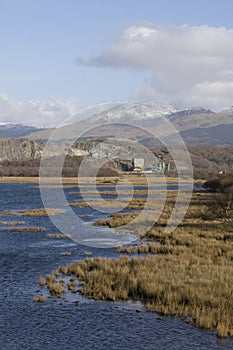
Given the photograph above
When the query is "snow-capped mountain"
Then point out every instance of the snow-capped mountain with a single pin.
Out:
(127, 112)
(8, 129)
(195, 125)
(190, 111)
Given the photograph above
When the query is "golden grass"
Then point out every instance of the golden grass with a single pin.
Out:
(35, 179)
(41, 212)
(79, 204)
(42, 281)
(40, 299)
(55, 180)
(33, 212)
(127, 249)
(93, 193)
(7, 212)
(136, 179)
(116, 220)
(183, 285)
(25, 229)
(188, 272)
(12, 223)
(58, 235)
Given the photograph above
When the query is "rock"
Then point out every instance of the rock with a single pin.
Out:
(19, 149)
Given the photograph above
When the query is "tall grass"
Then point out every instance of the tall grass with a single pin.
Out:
(25, 229)
(188, 272)
(185, 285)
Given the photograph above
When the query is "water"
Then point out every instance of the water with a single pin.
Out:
(62, 325)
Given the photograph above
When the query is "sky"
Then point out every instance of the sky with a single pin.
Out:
(57, 56)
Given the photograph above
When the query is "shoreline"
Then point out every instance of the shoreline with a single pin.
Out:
(74, 180)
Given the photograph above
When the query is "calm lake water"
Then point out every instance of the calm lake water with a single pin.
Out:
(60, 324)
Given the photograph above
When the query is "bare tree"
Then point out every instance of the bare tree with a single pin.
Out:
(222, 200)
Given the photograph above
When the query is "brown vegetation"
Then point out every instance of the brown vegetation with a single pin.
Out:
(39, 299)
(188, 272)
(222, 189)
(41, 212)
(58, 235)
(116, 220)
(79, 204)
(42, 281)
(26, 229)
(206, 161)
(33, 212)
(12, 223)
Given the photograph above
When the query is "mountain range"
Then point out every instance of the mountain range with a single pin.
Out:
(197, 126)
(8, 129)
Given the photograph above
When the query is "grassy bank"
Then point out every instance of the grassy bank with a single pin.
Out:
(186, 273)
(139, 180)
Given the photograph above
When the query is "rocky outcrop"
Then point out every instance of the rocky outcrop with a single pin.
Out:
(14, 149)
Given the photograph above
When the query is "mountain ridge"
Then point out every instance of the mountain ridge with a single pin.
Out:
(11, 129)
(196, 125)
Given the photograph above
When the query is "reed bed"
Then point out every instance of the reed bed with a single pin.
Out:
(25, 229)
(58, 235)
(12, 223)
(169, 283)
(40, 299)
(79, 204)
(41, 212)
(116, 220)
(186, 273)
(33, 212)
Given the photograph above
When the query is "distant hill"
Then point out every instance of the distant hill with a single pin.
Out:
(16, 130)
(196, 125)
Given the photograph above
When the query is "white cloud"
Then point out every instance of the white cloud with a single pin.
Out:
(36, 113)
(187, 64)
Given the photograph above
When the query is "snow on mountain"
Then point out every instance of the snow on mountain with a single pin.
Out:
(133, 112)
(190, 111)
(8, 129)
(229, 110)
(130, 112)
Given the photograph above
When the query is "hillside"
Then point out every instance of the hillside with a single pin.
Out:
(16, 130)
(197, 126)
(21, 157)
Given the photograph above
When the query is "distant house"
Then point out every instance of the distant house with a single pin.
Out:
(166, 166)
(138, 164)
(157, 168)
(160, 167)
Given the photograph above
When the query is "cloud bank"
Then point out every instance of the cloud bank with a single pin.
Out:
(36, 113)
(189, 66)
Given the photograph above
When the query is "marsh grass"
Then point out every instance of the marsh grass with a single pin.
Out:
(25, 229)
(126, 249)
(7, 212)
(40, 299)
(41, 212)
(116, 220)
(58, 235)
(33, 212)
(188, 272)
(42, 281)
(184, 284)
(12, 223)
(79, 204)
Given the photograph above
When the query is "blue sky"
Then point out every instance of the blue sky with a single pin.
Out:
(41, 41)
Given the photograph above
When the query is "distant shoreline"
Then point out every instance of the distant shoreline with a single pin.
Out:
(33, 179)
(68, 180)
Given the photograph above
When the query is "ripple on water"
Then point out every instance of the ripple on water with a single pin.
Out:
(60, 325)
